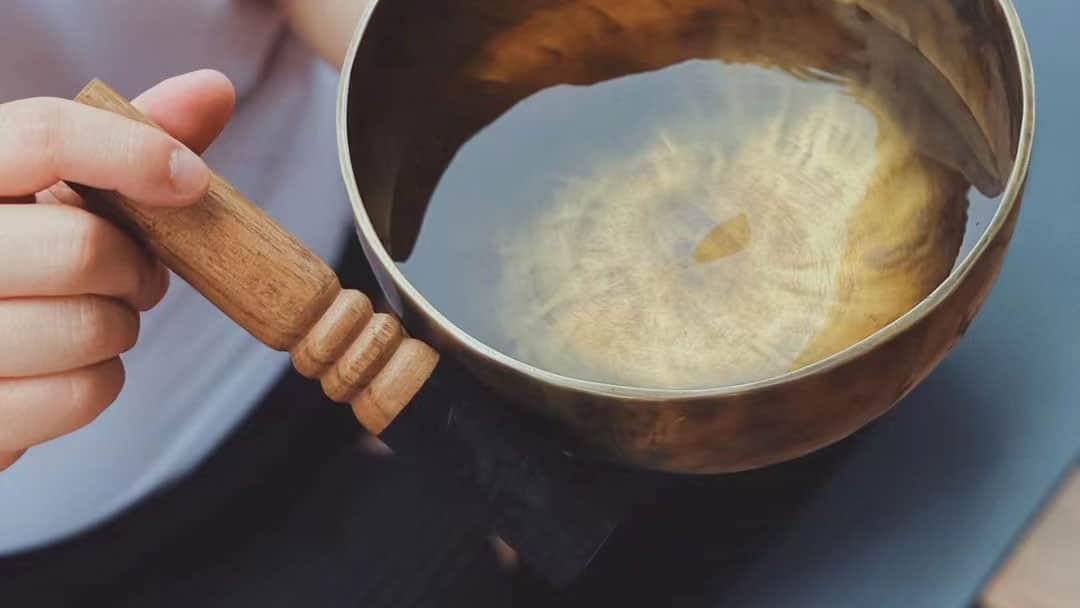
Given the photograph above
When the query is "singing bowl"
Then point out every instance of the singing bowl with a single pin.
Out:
(422, 78)
(401, 124)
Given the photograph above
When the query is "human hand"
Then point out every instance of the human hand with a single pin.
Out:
(71, 284)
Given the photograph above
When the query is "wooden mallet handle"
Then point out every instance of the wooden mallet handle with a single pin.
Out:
(275, 288)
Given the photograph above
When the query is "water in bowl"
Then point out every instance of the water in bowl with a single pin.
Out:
(702, 208)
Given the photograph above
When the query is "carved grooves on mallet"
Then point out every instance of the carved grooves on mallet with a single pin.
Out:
(364, 359)
(269, 283)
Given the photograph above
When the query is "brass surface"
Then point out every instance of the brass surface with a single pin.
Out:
(410, 101)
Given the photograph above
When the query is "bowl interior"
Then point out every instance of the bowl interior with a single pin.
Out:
(425, 80)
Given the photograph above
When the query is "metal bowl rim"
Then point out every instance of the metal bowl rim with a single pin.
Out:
(1010, 199)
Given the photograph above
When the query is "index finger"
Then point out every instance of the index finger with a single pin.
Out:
(46, 140)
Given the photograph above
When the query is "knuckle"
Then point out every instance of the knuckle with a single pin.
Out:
(93, 390)
(149, 151)
(90, 331)
(34, 123)
(143, 280)
(154, 284)
(93, 250)
(127, 330)
(90, 244)
(105, 328)
(129, 333)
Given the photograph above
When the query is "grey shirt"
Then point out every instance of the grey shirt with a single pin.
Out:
(194, 374)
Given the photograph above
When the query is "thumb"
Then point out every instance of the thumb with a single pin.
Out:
(194, 108)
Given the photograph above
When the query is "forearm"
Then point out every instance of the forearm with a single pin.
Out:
(325, 25)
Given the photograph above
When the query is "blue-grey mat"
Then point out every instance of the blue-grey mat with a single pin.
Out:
(929, 500)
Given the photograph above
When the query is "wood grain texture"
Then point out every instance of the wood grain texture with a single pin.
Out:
(1042, 572)
(275, 288)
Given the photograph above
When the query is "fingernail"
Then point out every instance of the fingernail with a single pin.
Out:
(188, 173)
